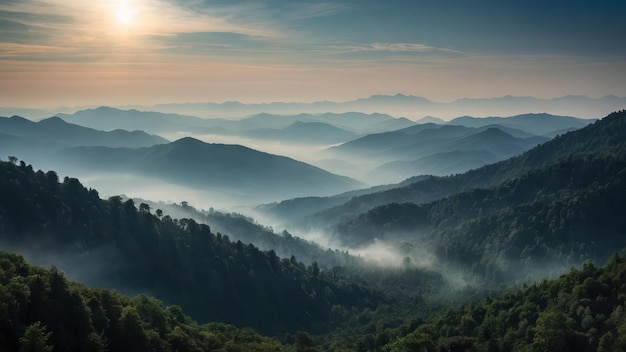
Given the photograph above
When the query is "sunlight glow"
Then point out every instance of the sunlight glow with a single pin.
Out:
(125, 14)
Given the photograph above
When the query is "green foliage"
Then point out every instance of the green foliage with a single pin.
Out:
(583, 310)
(553, 207)
(35, 339)
(113, 322)
(178, 260)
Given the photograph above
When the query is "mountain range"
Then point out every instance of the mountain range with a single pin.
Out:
(415, 107)
(56, 131)
(324, 129)
(397, 105)
(483, 233)
(429, 189)
(455, 147)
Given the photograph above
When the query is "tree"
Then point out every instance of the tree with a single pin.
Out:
(304, 343)
(414, 342)
(144, 208)
(551, 332)
(35, 339)
(12, 159)
(135, 338)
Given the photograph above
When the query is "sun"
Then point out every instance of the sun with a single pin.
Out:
(125, 14)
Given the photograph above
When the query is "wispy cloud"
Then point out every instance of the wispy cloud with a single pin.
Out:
(32, 28)
(302, 10)
(395, 47)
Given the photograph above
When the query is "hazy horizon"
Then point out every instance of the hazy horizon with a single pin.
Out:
(144, 52)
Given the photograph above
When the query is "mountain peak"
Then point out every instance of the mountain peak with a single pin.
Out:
(188, 141)
(54, 120)
(19, 118)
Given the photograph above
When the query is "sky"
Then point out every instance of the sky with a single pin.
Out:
(112, 52)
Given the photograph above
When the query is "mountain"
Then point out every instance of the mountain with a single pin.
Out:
(558, 206)
(51, 313)
(293, 209)
(445, 163)
(229, 168)
(411, 107)
(379, 142)
(427, 139)
(327, 126)
(537, 124)
(408, 106)
(56, 131)
(580, 311)
(432, 149)
(431, 119)
(114, 244)
(355, 122)
(304, 133)
(584, 140)
(239, 227)
(107, 118)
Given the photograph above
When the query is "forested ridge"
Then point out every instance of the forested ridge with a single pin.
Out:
(564, 210)
(583, 310)
(607, 135)
(180, 261)
(40, 311)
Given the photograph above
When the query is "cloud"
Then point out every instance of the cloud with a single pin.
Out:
(395, 47)
(90, 29)
(301, 11)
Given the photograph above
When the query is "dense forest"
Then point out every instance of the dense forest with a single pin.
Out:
(583, 310)
(115, 244)
(561, 207)
(40, 311)
(606, 136)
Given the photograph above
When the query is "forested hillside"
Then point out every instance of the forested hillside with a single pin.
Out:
(41, 311)
(562, 206)
(113, 244)
(605, 136)
(239, 227)
(581, 311)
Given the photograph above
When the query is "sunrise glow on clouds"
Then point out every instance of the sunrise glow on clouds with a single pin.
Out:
(68, 52)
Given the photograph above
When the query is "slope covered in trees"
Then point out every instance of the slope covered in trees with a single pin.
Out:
(113, 244)
(604, 136)
(583, 310)
(41, 311)
(565, 209)
(239, 227)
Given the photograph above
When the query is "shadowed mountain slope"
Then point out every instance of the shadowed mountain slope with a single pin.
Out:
(55, 130)
(595, 138)
(233, 168)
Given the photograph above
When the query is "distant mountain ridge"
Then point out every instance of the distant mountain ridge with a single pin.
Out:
(413, 107)
(36, 141)
(261, 125)
(397, 155)
(538, 124)
(191, 162)
(56, 130)
(433, 188)
(303, 133)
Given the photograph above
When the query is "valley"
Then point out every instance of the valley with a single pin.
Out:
(437, 216)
